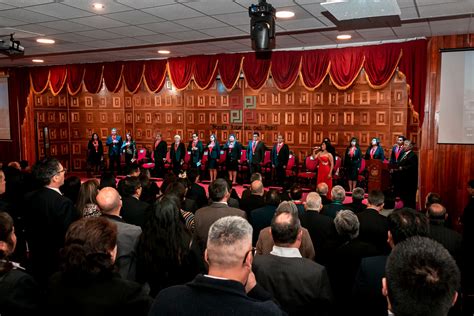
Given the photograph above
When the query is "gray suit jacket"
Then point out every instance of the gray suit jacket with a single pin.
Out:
(206, 216)
(127, 242)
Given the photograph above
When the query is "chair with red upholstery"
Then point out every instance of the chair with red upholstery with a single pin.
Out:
(144, 161)
(309, 170)
(267, 164)
(205, 156)
(243, 165)
(187, 159)
(221, 168)
(361, 178)
(291, 167)
(337, 171)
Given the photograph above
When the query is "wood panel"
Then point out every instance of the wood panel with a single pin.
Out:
(444, 168)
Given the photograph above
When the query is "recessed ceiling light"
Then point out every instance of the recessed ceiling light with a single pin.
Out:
(285, 14)
(98, 6)
(45, 41)
(344, 37)
(164, 52)
(37, 60)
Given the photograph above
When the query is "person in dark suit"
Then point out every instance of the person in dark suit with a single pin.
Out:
(296, 196)
(95, 154)
(230, 287)
(177, 153)
(367, 298)
(214, 153)
(321, 228)
(234, 152)
(300, 285)
(280, 155)
(160, 150)
(352, 162)
(133, 210)
(195, 191)
(375, 151)
(408, 176)
(255, 200)
(255, 153)
(357, 197)
(205, 216)
(338, 195)
(197, 149)
(87, 283)
(48, 215)
(262, 216)
(397, 150)
(128, 235)
(114, 142)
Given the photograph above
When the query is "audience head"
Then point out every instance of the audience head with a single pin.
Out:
(24, 165)
(431, 198)
(286, 226)
(358, 194)
(109, 201)
(272, 197)
(296, 193)
(2, 182)
(130, 186)
(389, 200)
(168, 178)
(313, 202)
(422, 278)
(14, 164)
(49, 172)
(107, 179)
(133, 170)
(87, 194)
(71, 188)
(376, 199)
(256, 176)
(437, 212)
(405, 223)
(322, 189)
(90, 248)
(338, 193)
(347, 224)
(176, 189)
(219, 191)
(256, 188)
(192, 175)
(7, 238)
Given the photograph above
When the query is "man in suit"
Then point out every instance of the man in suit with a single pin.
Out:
(114, 142)
(160, 150)
(196, 192)
(397, 150)
(357, 197)
(300, 285)
(321, 228)
(177, 153)
(280, 155)
(133, 210)
(262, 216)
(255, 200)
(428, 285)
(128, 235)
(205, 216)
(338, 195)
(367, 292)
(230, 287)
(196, 149)
(408, 176)
(296, 196)
(255, 153)
(48, 215)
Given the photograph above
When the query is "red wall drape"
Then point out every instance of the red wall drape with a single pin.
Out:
(133, 74)
(230, 66)
(75, 76)
(39, 77)
(346, 64)
(113, 76)
(381, 63)
(314, 68)
(285, 69)
(205, 68)
(154, 74)
(57, 78)
(256, 71)
(93, 77)
(180, 71)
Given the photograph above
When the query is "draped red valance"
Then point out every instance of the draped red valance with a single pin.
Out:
(343, 65)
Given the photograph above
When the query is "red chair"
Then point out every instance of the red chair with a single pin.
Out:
(267, 163)
(361, 177)
(143, 161)
(204, 159)
(337, 170)
(291, 166)
(309, 169)
(168, 165)
(187, 159)
(221, 162)
(243, 165)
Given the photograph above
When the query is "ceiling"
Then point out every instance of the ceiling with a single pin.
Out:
(136, 29)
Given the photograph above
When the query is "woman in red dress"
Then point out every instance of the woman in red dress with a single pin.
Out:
(326, 164)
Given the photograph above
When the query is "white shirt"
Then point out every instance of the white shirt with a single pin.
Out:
(286, 252)
(54, 189)
(215, 277)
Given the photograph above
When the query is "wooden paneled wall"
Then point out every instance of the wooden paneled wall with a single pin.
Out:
(444, 168)
(304, 117)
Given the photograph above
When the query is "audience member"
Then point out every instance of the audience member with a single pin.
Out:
(195, 191)
(150, 190)
(427, 286)
(107, 179)
(86, 284)
(255, 200)
(86, 201)
(186, 207)
(71, 187)
(133, 210)
(262, 217)
(432, 198)
(234, 199)
(248, 191)
(110, 204)
(357, 197)
(388, 204)
(322, 189)
(338, 195)
(230, 287)
(300, 285)
(296, 196)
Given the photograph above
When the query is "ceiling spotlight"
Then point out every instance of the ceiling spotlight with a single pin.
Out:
(164, 52)
(45, 41)
(285, 14)
(37, 60)
(344, 37)
(98, 6)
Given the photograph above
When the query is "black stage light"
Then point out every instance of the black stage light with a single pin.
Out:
(262, 26)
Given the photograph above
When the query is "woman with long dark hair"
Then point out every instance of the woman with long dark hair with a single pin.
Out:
(129, 147)
(214, 152)
(326, 164)
(86, 202)
(234, 151)
(95, 154)
(352, 162)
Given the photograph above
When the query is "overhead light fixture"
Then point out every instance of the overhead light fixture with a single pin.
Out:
(98, 6)
(37, 60)
(45, 41)
(164, 52)
(285, 14)
(344, 37)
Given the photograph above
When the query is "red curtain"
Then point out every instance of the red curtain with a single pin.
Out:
(314, 68)
(113, 76)
(93, 77)
(256, 70)
(205, 68)
(380, 63)
(180, 71)
(132, 75)
(346, 64)
(154, 74)
(75, 76)
(285, 69)
(229, 66)
(39, 77)
(57, 78)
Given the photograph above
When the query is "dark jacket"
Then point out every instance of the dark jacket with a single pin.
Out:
(160, 151)
(373, 229)
(19, 294)
(280, 159)
(134, 211)
(259, 154)
(196, 155)
(379, 154)
(114, 149)
(176, 155)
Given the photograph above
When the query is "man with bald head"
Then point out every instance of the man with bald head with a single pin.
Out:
(449, 238)
(110, 203)
(255, 200)
(322, 189)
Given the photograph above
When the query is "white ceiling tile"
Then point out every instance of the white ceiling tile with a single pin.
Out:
(288, 41)
(110, 6)
(127, 41)
(10, 22)
(101, 44)
(130, 31)
(72, 37)
(6, 6)
(275, 3)
(408, 13)
(145, 3)
(224, 31)
(230, 45)
(459, 26)
(66, 26)
(378, 36)
(164, 27)
(38, 29)
(25, 3)
(59, 11)
(201, 23)
(445, 9)
(234, 18)
(430, 2)
(315, 9)
(379, 32)
(173, 12)
(134, 17)
(291, 25)
(299, 11)
(26, 16)
(216, 7)
(189, 35)
(313, 39)
(405, 3)
(99, 22)
(159, 38)
(100, 34)
(407, 32)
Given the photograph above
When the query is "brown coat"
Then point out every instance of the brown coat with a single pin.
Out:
(265, 243)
